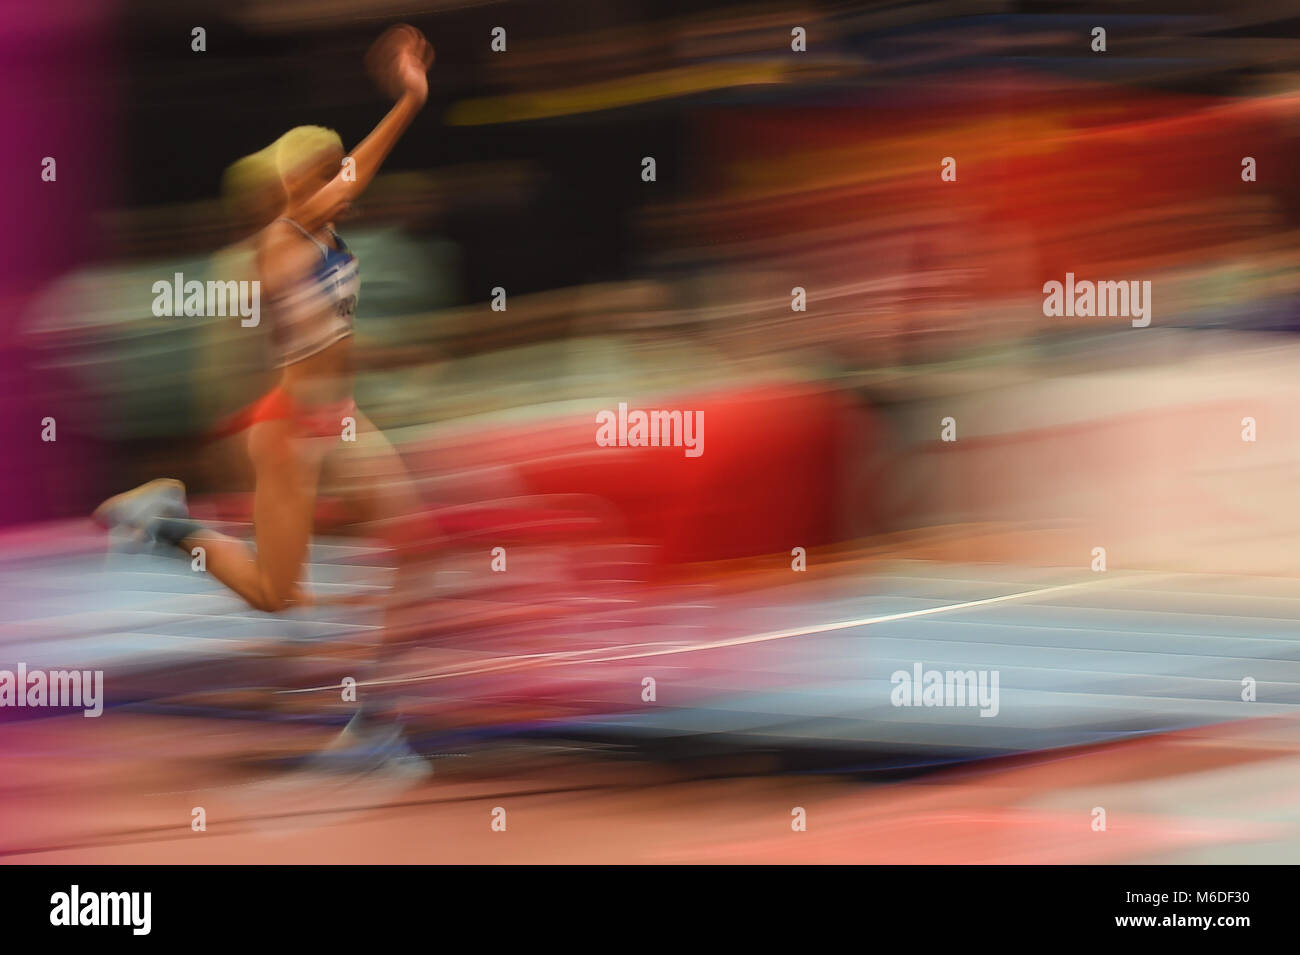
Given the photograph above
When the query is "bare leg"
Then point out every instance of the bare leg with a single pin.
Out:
(372, 475)
(375, 476)
(267, 575)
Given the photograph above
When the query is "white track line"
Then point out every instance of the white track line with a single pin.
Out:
(582, 656)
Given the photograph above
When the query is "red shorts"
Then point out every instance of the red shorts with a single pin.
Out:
(309, 421)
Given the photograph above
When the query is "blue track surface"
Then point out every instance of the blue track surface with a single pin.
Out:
(1080, 657)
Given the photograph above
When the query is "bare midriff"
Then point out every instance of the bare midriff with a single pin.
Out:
(322, 378)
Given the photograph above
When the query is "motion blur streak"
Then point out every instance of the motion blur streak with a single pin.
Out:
(835, 258)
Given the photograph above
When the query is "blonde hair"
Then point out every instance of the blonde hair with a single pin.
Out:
(301, 144)
(251, 186)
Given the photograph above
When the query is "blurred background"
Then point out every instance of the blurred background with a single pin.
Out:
(775, 169)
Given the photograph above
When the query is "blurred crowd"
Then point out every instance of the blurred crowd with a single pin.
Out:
(857, 201)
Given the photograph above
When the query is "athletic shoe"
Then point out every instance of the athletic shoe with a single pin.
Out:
(378, 751)
(138, 509)
(134, 515)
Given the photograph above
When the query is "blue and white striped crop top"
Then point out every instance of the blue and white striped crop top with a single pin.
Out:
(317, 311)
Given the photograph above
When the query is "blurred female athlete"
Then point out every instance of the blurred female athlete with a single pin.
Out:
(310, 281)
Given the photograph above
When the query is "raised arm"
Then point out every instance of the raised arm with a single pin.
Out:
(400, 61)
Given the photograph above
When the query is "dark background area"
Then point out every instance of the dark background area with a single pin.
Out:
(187, 115)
